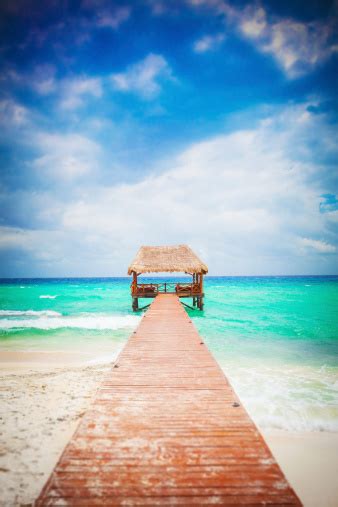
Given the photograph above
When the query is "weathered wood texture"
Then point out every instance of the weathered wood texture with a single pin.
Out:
(166, 428)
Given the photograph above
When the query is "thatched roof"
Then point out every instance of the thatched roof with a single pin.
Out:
(160, 259)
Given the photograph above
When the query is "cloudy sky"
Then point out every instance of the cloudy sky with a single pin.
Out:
(207, 122)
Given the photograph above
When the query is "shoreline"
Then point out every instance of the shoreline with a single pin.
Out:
(44, 400)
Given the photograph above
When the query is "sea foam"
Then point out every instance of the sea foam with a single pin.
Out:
(29, 313)
(52, 320)
(288, 398)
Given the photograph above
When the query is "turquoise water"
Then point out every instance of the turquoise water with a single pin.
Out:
(275, 337)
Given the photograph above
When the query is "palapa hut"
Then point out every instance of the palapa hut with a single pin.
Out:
(168, 259)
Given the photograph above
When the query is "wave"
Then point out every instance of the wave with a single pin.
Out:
(52, 320)
(289, 398)
(47, 296)
(29, 313)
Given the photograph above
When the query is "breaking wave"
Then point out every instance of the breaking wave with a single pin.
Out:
(289, 398)
(29, 313)
(49, 319)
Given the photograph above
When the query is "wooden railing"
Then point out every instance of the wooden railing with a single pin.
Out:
(152, 289)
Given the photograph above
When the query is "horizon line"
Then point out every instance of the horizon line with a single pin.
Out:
(157, 276)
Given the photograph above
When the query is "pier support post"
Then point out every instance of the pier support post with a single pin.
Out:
(193, 282)
(201, 303)
(201, 289)
(134, 291)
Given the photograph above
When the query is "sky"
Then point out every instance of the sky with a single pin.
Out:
(207, 122)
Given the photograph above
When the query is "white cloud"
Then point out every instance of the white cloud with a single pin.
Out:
(113, 19)
(144, 77)
(44, 251)
(45, 86)
(298, 46)
(65, 157)
(43, 79)
(159, 7)
(72, 92)
(253, 26)
(12, 237)
(247, 201)
(332, 216)
(12, 113)
(239, 199)
(76, 90)
(317, 245)
(208, 43)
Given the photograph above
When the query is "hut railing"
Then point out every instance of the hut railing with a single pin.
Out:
(152, 289)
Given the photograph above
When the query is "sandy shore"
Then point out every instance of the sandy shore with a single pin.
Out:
(40, 408)
(43, 399)
(310, 463)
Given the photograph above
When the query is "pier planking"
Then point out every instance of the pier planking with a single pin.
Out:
(166, 428)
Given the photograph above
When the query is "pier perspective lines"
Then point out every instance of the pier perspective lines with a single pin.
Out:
(166, 428)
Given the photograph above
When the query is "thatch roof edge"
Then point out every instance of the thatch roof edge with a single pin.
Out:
(175, 259)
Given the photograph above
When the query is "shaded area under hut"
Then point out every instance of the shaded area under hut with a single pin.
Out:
(168, 259)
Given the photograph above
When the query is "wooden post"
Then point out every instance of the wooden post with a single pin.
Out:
(134, 292)
(201, 289)
(198, 297)
(193, 282)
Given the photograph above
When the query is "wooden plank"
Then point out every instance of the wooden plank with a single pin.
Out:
(166, 428)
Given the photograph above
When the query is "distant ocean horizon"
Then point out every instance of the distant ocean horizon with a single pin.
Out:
(276, 337)
(172, 277)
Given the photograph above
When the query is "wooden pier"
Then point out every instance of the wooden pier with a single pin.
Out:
(166, 428)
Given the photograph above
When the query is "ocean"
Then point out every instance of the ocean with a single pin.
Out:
(276, 338)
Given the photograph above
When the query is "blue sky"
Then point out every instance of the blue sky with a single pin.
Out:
(207, 122)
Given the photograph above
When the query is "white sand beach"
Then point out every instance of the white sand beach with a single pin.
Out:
(309, 461)
(42, 403)
(43, 400)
